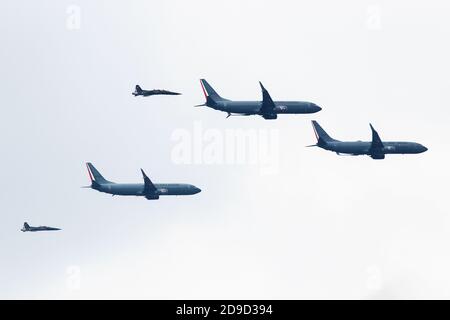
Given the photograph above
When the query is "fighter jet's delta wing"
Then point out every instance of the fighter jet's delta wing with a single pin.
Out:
(146, 93)
(267, 108)
(148, 189)
(376, 149)
(28, 228)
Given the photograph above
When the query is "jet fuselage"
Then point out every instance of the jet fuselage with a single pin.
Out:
(254, 107)
(146, 93)
(377, 149)
(148, 189)
(363, 147)
(137, 189)
(27, 228)
(267, 108)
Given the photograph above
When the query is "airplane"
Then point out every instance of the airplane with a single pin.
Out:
(146, 93)
(376, 149)
(28, 228)
(267, 108)
(147, 189)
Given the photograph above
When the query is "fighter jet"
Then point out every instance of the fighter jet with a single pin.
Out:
(376, 149)
(146, 93)
(28, 228)
(267, 108)
(147, 189)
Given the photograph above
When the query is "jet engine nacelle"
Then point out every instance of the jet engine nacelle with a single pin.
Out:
(152, 197)
(269, 116)
(378, 156)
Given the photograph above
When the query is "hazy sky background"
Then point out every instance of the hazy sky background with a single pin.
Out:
(321, 226)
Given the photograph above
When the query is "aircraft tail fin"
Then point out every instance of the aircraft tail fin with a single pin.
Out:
(321, 134)
(94, 175)
(138, 89)
(209, 92)
(26, 225)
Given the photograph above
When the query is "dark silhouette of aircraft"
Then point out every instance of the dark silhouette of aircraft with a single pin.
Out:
(28, 228)
(376, 149)
(267, 108)
(147, 189)
(146, 93)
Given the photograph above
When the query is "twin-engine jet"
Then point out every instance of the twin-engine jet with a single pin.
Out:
(147, 189)
(267, 108)
(376, 149)
(145, 93)
(28, 228)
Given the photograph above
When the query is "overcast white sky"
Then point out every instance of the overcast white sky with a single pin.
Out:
(318, 226)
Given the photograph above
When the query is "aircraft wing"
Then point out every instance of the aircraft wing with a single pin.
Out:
(268, 106)
(53, 229)
(170, 93)
(377, 144)
(149, 187)
(45, 228)
(161, 92)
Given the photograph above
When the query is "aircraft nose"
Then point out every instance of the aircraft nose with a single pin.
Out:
(423, 148)
(316, 108)
(197, 190)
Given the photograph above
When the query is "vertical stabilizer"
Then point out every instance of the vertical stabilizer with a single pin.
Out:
(321, 135)
(94, 175)
(210, 94)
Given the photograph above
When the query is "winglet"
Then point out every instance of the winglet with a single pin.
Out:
(262, 87)
(149, 187)
(267, 105)
(376, 140)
